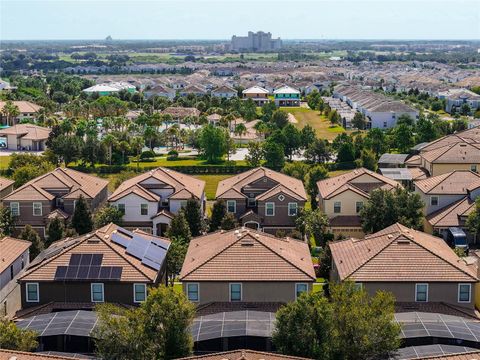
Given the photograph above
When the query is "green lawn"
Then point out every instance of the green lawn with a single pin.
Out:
(4, 161)
(211, 183)
(186, 161)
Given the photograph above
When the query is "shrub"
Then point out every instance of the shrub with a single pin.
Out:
(172, 155)
(147, 155)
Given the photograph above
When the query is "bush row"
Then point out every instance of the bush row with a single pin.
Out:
(193, 169)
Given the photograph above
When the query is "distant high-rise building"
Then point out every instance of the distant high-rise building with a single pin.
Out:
(259, 41)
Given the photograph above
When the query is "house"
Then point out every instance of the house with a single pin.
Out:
(192, 90)
(342, 197)
(225, 92)
(246, 266)
(54, 194)
(250, 134)
(179, 113)
(107, 89)
(405, 176)
(258, 94)
(160, 90)
(27, 111)
(14, 258)
(26, 137)
(456, 98)
(414, 266)
(6, 187)
(6, 354)
(286, 96)
(111, 265)
(214, 119)
(263, 199)
(150, 200)
(242, 354)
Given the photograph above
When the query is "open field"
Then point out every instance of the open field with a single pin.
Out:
(319, 122)
(211, 183)
(4, 161)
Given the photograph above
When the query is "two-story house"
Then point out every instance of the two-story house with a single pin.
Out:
(246, 266)
(263, 199)
(54, 192)
(150, 200)
(258, 94)
(417, 268)
(342, 197)
(287, 96)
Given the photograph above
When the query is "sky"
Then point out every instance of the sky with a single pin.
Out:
(220, 19)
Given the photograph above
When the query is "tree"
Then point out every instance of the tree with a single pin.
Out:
(255, 154)
(158, 329)
(465, 109)
(274, 155)
(376, 141)
(229, 222)
(213, 143)
(280, 118)
(10, 111)
(31, 235)
(307, 136)
(359, 121)
(193, 215)
(67, 147)
(334, 117)
(179, 227)
(346, 152)
(219, 210)
(106, 215)
(314, 175)
(14, 338)
(24, 174)
(296, 169)
(55, 230)
(367, 160)
(7, 221)
(175, 258)
(82, 217)
(313, 223)
(318, 151)
(473, 220)
(292, 139)
(404, 138)
(387, 207)
(436, 105)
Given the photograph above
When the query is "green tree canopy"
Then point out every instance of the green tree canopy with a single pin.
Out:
(280, 118)
(193, 215)
(255, 154)
(7, 221)
(313, 223)
(82, 217)
(274, 155)
(213, 143)
(314, 175)
(219, 210)
(14, 338)
(229, 222)
(106, 215)
(55, 230)
(179, 227)
(31, 235)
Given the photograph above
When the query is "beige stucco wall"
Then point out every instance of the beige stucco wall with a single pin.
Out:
(348, 199)
(347, 232)
(438, 169)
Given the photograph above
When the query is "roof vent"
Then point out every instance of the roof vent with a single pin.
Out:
(403, 241)
(247, 242)
(389, 236)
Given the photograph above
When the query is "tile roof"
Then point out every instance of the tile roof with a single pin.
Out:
(453, 214)
(455, 182)
(243, 355)
(23, 355)
(181, 112)
(23, 106)
(184, 186)
(239, 181)
(11, 249)
(4, 183)
(286, 90)
(475, 355)
(247, 255)
(255, 90)
(460, 152)
(27, 132)
(337, 184)
(43, 268)
(400, 254)
(468, 136)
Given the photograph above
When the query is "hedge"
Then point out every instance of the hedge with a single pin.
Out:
(194, 169)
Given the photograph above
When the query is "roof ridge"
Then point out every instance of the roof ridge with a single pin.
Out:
(453, 206)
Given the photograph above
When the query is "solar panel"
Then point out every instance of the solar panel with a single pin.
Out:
(116, 273)
(155, 254)
(60, 273)
(105, 272)
(86, 259)
(71, 272)
(93, 272)
(83, 272)
(137, 247)
(120, 240)
(75, 259)
(97, 259)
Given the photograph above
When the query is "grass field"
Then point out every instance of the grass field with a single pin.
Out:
(211, 183)
(4, 161)
(319, 122)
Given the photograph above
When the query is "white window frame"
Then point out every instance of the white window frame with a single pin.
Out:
(416, 291)
(234, 202)
(469, 292)
(103, 292)
(290, 206)
(198, 292)
(17, 207)
(335, 205)
(142, 207)
(296, 289)
(266, 208)
(230, 292)
(431, 200)
(473, 167)
(357, 207)
(27, 299)
(135, 292)
(33, 208)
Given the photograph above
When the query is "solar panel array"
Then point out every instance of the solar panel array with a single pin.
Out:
(87, 267)
(235, 323)
(420, 352)
(78, 323)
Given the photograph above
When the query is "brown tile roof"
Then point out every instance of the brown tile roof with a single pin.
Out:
(400, 254)
(355, 181)
(4, 183)
(417, 173)
(22, 355)
(181, 112)
(247, 255)
(11, 249)
(475, 355)
(467, 136)
(23, 106)
(453, 214)
(97, 242)
(70, 180)
(239, 181)
(243, 355)
(455, 182)
(454, 153)
(184, 186)
(27, 132)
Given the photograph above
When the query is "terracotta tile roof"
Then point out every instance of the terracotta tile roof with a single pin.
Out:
(184, 186)
(398, 253)
(246, 255)
(454, 153)
(277, 190)
(181, 112)
(239, 181)
(417, 173)
(4, 183)
(455, 182)
(475, 355)
(414, 160)
(23, 106)
(467, 136)
(355, 180)
(27, 132)
(22, 355)
(453, 214)
(11, 249)
(97, 242)
(243, 355)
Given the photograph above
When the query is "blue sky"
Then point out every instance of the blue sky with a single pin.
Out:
(207, 19)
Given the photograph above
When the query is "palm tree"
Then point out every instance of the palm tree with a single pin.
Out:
(109, 140)
(240, 130)
(10, 111)
(124, 146)
(150, 134)
(136, 144)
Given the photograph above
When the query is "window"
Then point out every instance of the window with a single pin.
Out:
(193, 292)
(358, 206)
(37, 209)
(473, 168)
(384, 124)
(11, 272)
(231, 206)
(464, 293)
(434, 200)
(183, 204)
(143, 209)
(121, 207)
(358, 286)
(97, 292)
(292, 209)
(15, 209)
(300, 288)
(281, 197)
(139, 292)
(252, 202)
(32, 292)
(337, 207)
(235, 292)
(269, 209)
(421, 292)
(59, 202)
